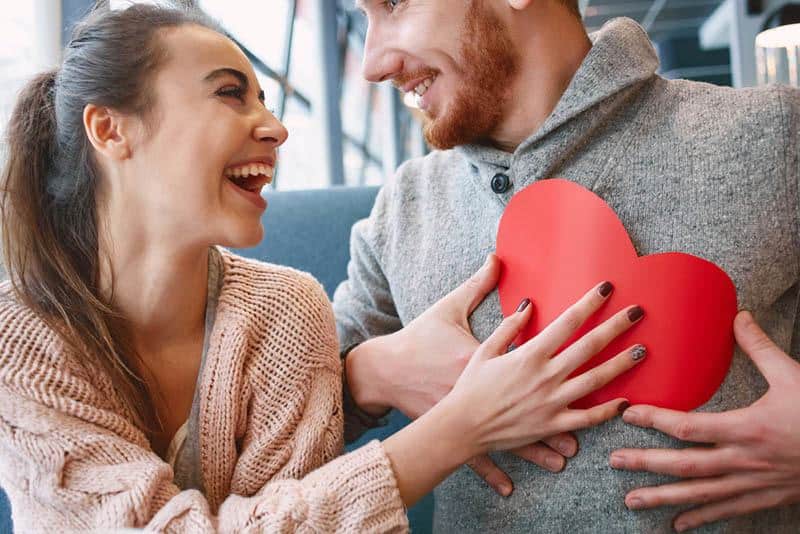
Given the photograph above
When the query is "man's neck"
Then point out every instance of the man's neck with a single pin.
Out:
(552, 47)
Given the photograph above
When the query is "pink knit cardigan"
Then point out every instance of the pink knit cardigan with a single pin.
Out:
(270, 426)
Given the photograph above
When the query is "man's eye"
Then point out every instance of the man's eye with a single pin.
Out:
(234, 91)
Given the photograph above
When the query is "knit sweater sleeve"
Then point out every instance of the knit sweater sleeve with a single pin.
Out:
(363, 303)
(70, 461)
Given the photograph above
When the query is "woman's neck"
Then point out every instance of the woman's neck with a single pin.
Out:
(159, 286)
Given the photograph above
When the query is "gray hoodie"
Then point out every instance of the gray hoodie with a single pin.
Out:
(687, 166)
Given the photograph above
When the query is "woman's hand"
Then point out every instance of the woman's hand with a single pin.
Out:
(507, 399)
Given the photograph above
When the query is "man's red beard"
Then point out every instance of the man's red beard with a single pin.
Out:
(490, 64)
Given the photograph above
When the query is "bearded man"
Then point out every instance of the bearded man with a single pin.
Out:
(514, 92)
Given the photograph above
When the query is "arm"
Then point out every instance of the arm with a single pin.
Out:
(88, 477)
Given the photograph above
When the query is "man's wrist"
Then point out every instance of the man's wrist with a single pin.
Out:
(364, 366)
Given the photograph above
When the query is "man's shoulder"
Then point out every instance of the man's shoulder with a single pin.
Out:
(713, 109)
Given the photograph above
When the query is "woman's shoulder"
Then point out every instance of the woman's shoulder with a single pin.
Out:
(284, 313)
(266, 285)
(22, 331)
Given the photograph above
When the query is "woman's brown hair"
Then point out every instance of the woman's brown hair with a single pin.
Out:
(47, 207)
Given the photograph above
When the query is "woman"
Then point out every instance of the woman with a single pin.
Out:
(151, 379)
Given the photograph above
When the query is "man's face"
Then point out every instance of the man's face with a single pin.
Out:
(455, 55)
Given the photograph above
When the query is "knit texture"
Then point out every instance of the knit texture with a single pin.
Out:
(688, 167)
(270, 426)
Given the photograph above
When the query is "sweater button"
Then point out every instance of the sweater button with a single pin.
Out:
(501, 183)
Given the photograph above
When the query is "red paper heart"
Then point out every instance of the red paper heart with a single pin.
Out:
(556, 240)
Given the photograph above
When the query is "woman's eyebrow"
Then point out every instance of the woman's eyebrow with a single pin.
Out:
(218, 73)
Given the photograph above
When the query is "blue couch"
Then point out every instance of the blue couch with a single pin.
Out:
(310, 230)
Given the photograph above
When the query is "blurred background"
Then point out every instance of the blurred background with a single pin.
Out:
(347, 132)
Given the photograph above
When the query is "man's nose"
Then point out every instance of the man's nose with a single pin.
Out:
(380, 62)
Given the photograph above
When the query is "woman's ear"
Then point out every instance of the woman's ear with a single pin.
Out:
(108, 131)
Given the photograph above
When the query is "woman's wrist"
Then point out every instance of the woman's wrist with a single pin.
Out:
(428, 450)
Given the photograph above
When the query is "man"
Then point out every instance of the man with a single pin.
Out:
(514, 92)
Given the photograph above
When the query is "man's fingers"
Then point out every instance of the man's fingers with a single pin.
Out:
(497, 343)
(745, 504)
(773, 363)
(549, 340)
(698, 427)
(696, 491)
(693, 462)
(485, 468)
(597, 377)
(565, 444)
(465, 298)
(541, 455)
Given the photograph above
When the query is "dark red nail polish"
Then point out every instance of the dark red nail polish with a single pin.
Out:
(605, 289)
(522, 305)
(623, 406)
(635, 314)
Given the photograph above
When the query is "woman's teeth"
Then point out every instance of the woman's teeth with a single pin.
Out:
(254, 169)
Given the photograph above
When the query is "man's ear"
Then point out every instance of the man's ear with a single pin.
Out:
(108, 131)
(519, 4)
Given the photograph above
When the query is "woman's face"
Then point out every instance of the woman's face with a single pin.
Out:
(195, 175)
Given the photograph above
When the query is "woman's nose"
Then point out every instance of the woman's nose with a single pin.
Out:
(274, 132)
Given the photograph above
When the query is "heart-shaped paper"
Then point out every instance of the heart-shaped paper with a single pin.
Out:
(557, 240)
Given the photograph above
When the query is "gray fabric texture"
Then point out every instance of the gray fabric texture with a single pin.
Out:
(188, 473)
(688, 167)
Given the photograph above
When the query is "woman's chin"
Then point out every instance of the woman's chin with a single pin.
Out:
(245, 236)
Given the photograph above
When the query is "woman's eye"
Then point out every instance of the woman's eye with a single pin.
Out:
(232, 91)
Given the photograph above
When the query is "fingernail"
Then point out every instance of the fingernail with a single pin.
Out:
(679, 526)
(522, 305)
(554, 463)
(605, 289)
(634, 503)
(630, 416)
(505, 490)
(624, 405)
(638, 352)
(617, 461)
(635, 314)
(486, 262)
(564, 447)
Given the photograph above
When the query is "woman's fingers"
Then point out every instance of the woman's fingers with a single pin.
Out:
(485, 468)
(596, 340)
(597, 377)
(505, 334)
(562, 328)
(571, 420)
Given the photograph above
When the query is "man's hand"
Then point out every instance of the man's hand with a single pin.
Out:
(754, 462)
(417, 366)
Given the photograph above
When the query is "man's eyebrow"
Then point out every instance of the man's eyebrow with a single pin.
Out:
(218, 73)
